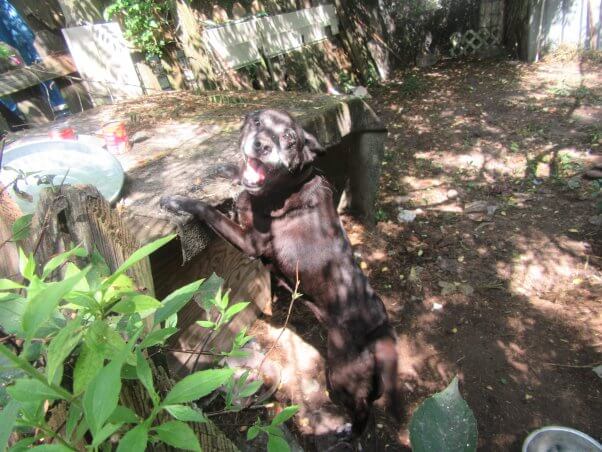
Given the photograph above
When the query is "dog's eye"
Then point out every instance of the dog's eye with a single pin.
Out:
(257, 144)
(266, 149)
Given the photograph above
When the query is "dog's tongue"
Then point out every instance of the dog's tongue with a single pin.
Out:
(253, 173)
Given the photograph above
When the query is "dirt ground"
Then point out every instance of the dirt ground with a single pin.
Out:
(498, 279)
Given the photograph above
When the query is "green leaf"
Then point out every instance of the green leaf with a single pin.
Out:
(444, 422)
(7, 284)
(206, 324)
(277, 444)
(22, 227)
(178, 434)
(185, 413)
(124, 415)
(102, 395)
(145, 375)
(158, 337)
(87, 366)
(140, 303)
(176, 301)
(43, 304)
(106, 431)
(23, 445)
(197, 385)
(11, 313)
(250, 389)
(59, 260)
(208, 291)
(137, 256)
(104, 339)
(27, 265)
(285, 415)
(61, 347)
(52, 448)
(253, 432)
(30, 390)
(75, 413)
(235, 309)
(8, 417)
(135, 440)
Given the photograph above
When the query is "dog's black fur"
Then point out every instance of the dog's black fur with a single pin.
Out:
(286, 217)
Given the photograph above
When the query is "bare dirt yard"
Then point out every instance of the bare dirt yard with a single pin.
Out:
(498, 278)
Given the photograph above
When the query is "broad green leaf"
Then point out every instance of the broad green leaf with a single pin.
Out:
(11, 313)
(102, 395)
(8, 296)
(60, 259)
(75, 413)
(21, 227)
(23, 445)
(145, 375)
(178, 434)
(8, 417)
(137, 256)
(140, 303)
(7, 284)
(285, 415)
(250, 389)
(106, 431)
(52, 448)
(185, 413)
(135, 440)
(100, 270)
(158, 337)
(197, 385)
(104, 339)
(42, 305)
(206, 324)
(253, 432)
(444, 422)
(124, 415)
(171, 321)
(30, 390)
(122, 285)
(176, 301)
(27, 265)
(79, 300)
(277, 444)
(235, 309)
(206, 295)
(82, 286)
(87, 366)
(61, 347)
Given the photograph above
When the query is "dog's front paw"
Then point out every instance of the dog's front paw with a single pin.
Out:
(175, 203)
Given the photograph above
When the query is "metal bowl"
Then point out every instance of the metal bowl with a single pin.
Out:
(560, 439)
(45, 162)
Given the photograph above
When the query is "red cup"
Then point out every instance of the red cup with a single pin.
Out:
(63, 133)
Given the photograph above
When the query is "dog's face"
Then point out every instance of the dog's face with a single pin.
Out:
(276, 150)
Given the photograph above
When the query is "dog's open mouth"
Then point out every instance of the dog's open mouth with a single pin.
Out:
(254, 174)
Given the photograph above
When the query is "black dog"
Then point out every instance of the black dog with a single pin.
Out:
(286, 217)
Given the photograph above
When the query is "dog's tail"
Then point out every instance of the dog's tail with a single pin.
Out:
(385, 355)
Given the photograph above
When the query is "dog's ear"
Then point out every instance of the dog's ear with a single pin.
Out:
(311, 148)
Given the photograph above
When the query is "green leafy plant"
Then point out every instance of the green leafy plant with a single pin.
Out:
(73, 340)
(145, 23)
(444, 422)
(276, 440)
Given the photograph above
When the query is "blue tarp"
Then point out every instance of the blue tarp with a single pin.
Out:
(15, 32)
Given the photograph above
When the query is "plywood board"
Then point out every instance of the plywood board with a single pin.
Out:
(102, 57)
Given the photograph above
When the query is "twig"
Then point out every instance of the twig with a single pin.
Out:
(294, 296)
(573, 366)
(193, 352)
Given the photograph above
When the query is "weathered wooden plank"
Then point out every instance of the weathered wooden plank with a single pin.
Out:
(22, 78)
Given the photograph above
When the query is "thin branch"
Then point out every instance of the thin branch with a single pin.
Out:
(294, 296)
(574, 366)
